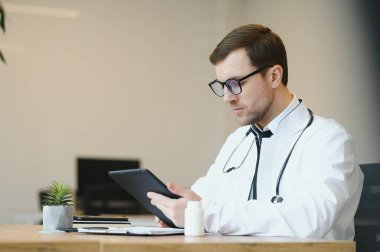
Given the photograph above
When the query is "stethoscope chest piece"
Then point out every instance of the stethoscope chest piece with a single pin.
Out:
(276, 199)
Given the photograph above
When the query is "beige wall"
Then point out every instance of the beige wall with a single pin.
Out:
(129, 79)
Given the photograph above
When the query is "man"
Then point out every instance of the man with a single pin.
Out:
(302, 180)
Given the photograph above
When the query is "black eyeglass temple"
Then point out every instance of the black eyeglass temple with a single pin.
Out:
(255, 72)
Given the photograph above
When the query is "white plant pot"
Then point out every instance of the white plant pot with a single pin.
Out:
(57, 217)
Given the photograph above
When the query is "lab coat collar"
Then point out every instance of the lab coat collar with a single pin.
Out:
(291, 117)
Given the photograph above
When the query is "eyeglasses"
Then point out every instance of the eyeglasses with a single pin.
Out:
(234, 86)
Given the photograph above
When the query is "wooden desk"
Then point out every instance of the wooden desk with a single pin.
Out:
(27, 238)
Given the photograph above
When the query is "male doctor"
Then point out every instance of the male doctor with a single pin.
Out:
(286, 171)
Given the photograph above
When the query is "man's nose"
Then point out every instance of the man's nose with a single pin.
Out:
(228, 96)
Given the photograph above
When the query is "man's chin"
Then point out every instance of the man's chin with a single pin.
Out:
(244, 121)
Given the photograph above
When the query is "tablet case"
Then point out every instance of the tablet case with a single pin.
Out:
(138, 182)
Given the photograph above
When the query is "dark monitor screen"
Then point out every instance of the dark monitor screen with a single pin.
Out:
(94, 171)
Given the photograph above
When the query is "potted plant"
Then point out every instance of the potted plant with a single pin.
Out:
(58, 209)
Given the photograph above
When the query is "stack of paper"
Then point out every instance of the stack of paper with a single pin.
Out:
(133, 230)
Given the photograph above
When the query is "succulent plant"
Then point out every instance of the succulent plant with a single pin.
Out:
(2, 27)
(57, 194)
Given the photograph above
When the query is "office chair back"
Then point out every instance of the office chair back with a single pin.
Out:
(367, 218)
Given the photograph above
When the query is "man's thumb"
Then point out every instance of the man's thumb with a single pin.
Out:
(176, 189)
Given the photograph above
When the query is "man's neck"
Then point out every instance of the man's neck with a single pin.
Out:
(281, 101)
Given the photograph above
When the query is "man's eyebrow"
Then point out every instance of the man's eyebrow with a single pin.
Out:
(230, 78)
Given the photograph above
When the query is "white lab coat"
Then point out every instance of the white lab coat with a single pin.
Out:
(321, 185)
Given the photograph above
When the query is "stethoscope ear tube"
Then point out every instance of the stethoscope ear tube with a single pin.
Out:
(278, 198)
(237, 147)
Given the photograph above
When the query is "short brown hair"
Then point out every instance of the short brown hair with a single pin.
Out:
(263, 47)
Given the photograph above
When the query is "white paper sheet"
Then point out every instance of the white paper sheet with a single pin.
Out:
(137, 230)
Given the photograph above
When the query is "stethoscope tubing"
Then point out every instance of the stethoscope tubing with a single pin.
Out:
(288, 157)
(277, 198)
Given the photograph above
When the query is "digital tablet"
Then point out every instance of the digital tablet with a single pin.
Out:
(86, 219)
(138, 182)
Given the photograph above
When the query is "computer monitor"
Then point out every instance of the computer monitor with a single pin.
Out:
(97, 193)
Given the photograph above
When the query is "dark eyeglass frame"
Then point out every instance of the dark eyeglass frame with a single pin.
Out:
(226, 83)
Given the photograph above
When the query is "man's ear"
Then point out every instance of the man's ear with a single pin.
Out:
(276, 75)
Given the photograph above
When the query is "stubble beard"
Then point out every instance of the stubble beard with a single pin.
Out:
(254, 117)
(250, 119)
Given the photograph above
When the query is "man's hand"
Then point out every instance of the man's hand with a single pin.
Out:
(174, 209)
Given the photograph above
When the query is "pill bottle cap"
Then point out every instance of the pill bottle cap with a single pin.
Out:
(194, 204)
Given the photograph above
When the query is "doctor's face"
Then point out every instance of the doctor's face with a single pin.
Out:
(253, 103)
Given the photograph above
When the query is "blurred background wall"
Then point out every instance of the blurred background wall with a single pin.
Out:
(128, 79)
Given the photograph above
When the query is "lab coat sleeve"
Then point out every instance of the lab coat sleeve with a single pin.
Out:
(326, 195)
(207, 187)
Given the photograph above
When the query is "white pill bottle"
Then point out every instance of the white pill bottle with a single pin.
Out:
(194, 219)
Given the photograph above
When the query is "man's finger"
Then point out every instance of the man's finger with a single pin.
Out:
(161, 199)
(159, 222)
(164, 209)
(183, 192)
(177, 189)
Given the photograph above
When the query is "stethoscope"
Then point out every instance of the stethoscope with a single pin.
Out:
(277, 198)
